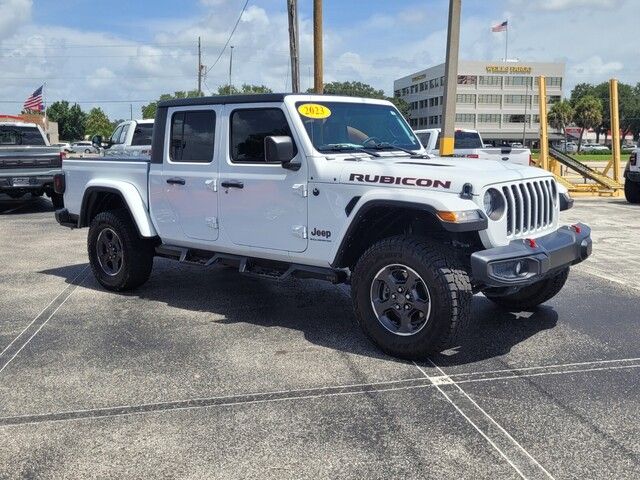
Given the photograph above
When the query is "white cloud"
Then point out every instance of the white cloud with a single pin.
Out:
(557, 5)
(374, 49)
(13, 14)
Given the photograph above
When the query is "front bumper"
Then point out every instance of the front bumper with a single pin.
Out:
(524, 262)
(35, 182)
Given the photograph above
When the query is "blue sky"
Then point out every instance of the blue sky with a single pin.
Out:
(133, 51)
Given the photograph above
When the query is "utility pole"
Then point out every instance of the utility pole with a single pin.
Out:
(317, 47)
(451, 79)
(294, 42)
(199, 68)
(230, 68)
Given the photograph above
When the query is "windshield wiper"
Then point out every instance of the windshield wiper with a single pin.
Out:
(341, 147)
(387, 145)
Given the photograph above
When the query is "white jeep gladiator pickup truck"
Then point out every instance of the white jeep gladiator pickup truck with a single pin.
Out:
(469, 144)
(336, 188)
(632, 178)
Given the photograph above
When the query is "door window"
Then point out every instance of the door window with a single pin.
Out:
(192, 136)
(142, 134)
(250, 127)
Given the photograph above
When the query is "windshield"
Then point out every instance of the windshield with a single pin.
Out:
(339, 126)
(14, 135)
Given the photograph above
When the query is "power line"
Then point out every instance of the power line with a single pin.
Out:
(230, 35)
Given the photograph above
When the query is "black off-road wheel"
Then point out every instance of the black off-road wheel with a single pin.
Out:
(533, 295)
(119, 258)
(632, 191)
(411, 296)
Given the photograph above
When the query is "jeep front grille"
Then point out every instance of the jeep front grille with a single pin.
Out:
(531, 206)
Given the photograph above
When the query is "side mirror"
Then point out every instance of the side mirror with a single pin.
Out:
(280, 150)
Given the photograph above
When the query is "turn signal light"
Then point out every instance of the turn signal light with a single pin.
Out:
(531, 242)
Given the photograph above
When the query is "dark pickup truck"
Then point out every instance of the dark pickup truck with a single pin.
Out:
(27, 162)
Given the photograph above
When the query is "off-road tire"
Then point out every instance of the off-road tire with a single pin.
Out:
(57, 200)
(448, 285)
(632, 191)
(137, 253)
(533, 295)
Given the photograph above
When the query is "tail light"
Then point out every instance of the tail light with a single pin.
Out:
(473, 155)
(633, 159)
(59, 184)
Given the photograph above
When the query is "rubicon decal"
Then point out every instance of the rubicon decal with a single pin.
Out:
(409, 181)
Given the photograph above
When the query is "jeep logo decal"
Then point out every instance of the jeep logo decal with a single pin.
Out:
(320, 235)
(409, 181)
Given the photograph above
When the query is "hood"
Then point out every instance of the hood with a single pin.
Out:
(437, 173)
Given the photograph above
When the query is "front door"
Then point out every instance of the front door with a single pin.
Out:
(189, 175)
(261, 204)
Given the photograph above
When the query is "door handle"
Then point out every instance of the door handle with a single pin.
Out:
(232, 184)
(175, 181)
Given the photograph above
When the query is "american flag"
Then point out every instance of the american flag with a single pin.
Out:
(34, 102)
(500, 28)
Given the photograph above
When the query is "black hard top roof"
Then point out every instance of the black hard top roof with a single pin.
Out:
(224, 99)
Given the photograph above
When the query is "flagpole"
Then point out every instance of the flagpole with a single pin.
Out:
(506, 44)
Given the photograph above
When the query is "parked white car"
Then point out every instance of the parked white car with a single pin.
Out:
(570, 147)
(594, 147)
(130, 139)
(469, 144)
(83, 147)
(334, 188)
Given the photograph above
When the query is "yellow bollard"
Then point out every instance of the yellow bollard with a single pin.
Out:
(544, 134)
(615, 129)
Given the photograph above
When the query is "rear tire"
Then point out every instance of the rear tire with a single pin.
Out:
(632, 191)
(119, 258)
(533, 295)
(432, 301)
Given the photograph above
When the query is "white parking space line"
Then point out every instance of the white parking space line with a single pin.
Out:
(421, 382)
(513, 452)
(12, 350)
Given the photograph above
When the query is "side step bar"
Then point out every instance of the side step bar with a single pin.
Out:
(254, 267)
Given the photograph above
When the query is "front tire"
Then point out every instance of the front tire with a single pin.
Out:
(533, 295)
(632, 191)
(119, 258)
(411, 296)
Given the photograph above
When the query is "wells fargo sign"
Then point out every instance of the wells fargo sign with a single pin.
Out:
(508, 69)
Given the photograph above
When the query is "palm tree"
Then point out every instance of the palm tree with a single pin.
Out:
(587, 114)
(560, 116)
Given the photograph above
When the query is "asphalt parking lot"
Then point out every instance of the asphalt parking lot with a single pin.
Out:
(209, 374)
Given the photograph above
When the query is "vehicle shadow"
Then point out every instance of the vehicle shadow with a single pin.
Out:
(320, 311)
(24, 205)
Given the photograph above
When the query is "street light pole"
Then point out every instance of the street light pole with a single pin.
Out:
(451, 78)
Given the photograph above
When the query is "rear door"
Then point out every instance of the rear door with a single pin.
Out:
(262, 204)
(189, 175)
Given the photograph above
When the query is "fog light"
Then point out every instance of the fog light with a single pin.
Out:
(517, 269)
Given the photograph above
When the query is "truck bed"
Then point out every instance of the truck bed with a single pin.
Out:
(81, 173)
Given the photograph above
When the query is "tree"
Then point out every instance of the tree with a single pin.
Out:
(560, 116)
(149, 110)
(582, 90)
(587, 114)
(245, 89)
(97, 123)
(70, 119)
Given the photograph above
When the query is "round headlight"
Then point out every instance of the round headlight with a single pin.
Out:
(494, 204)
